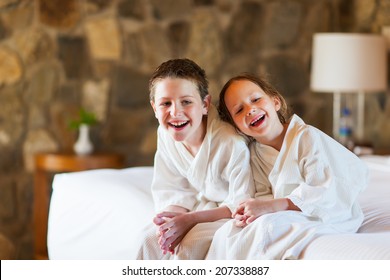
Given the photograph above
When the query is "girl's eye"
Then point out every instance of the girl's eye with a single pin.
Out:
(186, 102)
(238, 111)
(165, 104)
(255, 99)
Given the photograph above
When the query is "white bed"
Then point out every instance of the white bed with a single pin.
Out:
(98, 214)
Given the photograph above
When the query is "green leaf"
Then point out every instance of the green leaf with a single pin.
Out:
(85, 117)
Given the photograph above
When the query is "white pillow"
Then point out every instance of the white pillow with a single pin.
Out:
(98, 214)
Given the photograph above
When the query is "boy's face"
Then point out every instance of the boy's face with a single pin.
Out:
(179, 109)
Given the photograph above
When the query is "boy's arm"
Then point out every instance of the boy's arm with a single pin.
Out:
(210, 215)
(160, 218)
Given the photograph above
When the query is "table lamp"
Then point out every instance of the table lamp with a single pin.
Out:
(348, 63)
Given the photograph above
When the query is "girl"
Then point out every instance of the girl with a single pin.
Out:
(201, 169)
(306, 183)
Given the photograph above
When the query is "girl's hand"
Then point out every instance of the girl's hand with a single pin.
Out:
(251, 209)
(239, 216)
(240, 220)
(240, 210)
(254, 208)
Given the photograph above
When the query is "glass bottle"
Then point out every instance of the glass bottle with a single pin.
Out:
(345, 130)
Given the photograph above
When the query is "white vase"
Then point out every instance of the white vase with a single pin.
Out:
(83, 145)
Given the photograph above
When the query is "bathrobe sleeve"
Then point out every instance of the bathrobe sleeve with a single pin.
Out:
(332, 176)
(238, 173)
(234, 156)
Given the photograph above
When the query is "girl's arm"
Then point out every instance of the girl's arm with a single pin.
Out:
(178, 224)
(284, 204)
(175, 208)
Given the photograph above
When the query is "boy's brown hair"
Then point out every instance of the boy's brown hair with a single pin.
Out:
(182, 68)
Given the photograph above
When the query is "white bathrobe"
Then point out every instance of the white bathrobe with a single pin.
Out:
(318, 175)
(219, 175)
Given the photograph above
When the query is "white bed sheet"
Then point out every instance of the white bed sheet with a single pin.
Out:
(373, 238)
(98, 214)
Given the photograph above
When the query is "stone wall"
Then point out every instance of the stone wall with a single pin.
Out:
(59, 55)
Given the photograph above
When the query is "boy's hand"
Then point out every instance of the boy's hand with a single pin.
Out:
(173, 230)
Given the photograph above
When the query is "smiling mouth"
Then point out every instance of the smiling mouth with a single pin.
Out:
(257, 120)
(178, 124)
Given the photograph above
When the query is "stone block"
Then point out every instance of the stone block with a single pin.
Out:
(10, 67)
(37, 141)
(43, 83)
(59, 13)
(3, 31)
(288, 74)
(12, 117)
(19, 17)
(8, 201)
(246, 27)
(95, 97)
(73, 54)
(166, 9)
(178, 34)
(132, 9)
(129, 88)
(33, 45)
(154, 45)
(97, 31)
(284, 21)
(205, 44)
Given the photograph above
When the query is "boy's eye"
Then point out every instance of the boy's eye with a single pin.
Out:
(186, 102)
(255, 99)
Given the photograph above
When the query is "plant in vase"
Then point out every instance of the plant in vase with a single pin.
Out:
(83, 145)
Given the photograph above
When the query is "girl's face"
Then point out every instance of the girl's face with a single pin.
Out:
(253, 111)
(179, 109)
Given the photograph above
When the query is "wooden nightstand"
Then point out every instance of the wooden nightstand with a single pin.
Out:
(45, 165)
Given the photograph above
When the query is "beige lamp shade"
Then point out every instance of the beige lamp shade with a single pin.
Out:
(348, 62)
